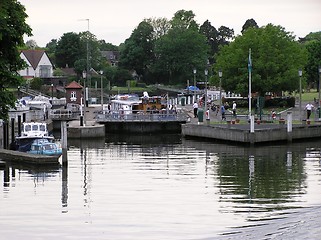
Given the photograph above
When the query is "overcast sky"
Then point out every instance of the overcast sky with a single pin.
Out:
(114, 21)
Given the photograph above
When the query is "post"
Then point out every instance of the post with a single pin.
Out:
(300, 95)
(12, 132)
(84, 75)
(52, 93)
(19, 125)
(64, 141)
(81, 113)
(194, 71)
(205, 99)
(220, 74)
(289, 126)
(101, 90)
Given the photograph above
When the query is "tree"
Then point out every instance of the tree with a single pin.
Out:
(314, 62)
(13, 27)
(248, 24)
(138, 51)
(225, 35)
(180, 50)
(69, 49)
(160, 26)
(276, 58)
(31, 44)
(212, 37)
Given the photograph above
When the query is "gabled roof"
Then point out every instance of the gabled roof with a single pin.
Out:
(33, 56)
(73, 85)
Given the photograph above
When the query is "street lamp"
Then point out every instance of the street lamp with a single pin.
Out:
(194, 71)
(101, 90)
(220, 74)
(51, 93)
(300, 94)
(205, 99)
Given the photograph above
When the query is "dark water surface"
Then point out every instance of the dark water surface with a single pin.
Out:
(165, 187)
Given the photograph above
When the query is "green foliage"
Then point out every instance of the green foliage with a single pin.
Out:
(69, 49)
(13, 28)
(314, 62)
(276, 58)
(138, 51)
(36, 83)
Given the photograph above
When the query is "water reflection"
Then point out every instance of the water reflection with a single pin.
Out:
(162, 187)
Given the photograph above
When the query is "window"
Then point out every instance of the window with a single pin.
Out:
(73, 96)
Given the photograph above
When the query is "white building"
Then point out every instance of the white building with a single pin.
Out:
(39, 64)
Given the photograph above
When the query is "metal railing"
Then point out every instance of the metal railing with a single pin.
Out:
(140, 116)
(63, 115)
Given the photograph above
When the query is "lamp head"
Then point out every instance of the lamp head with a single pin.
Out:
(300, 72)
(206, 72)
(220, 73)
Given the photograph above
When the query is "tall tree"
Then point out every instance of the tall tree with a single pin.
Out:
(249, 23)
(212, 37)
(138, 51)
(13, 27)
(180, 50)
(276, 58)
(160, 26)
(69, 49)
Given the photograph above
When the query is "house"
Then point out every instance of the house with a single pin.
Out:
(74, 93)
(112, 57)
(39, 64)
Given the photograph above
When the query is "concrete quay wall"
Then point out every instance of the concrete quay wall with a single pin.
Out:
(242, 134)
(142, 127)
(95, 131)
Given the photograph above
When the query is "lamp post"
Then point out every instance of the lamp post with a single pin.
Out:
(101, 90)
(205, 99)
(194, 71)
(220, 74)
(300, 94)
(51, 91)
(319, 100)
(84, 75)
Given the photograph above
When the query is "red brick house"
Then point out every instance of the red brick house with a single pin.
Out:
(74, 93)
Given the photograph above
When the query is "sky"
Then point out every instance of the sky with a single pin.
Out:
(114, 21)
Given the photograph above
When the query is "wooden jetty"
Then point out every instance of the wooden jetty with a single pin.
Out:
(23, 157)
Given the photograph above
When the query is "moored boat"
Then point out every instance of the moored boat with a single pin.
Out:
(44, 147)
(31, 131)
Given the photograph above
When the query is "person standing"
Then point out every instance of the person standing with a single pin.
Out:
(223, 112)
(309, 108)
(195, 108)
(234, 109)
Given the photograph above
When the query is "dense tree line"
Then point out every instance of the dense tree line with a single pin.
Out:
(166, 51)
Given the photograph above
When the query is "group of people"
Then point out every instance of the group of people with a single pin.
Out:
(222, 108)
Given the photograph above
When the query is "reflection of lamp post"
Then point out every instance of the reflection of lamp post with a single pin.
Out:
(300, 94)
(319, 91)
(194, 71)
(101, 90)
(220, 74)
(84, 75)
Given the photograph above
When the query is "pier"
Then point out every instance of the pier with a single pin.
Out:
(22, 157)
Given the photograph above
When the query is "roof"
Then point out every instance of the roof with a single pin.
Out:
(33, 56)
(73, 85)
(69, 71)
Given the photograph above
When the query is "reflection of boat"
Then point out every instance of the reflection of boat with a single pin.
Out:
(30, 132)
(44, 147)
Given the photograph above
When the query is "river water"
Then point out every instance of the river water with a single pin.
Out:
(166, 187)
